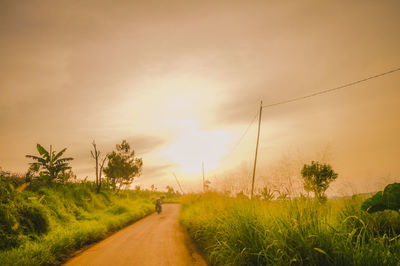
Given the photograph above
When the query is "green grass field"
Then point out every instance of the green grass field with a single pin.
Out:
(233, 231)
(45, 225)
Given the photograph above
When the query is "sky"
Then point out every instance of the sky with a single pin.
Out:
(181, 81)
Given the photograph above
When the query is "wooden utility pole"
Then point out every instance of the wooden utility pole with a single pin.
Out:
(255, 157)
(204, 185)
(178, 183)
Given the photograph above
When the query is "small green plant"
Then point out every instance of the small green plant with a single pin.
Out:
(388, 199)
(267, 194)
(49, 163)
(317, 178)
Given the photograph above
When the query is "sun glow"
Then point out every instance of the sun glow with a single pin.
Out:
(197, 146)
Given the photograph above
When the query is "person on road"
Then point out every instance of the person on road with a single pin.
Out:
(158, 205)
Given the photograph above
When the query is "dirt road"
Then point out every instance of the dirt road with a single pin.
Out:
(154, 240)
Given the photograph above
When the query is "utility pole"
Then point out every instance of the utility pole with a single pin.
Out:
(255, 157)
(204, 186)
(178, 183)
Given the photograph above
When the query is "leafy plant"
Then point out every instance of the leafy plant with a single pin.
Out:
(49, 164)
(267, 194)
(388, 199)
(317, 178)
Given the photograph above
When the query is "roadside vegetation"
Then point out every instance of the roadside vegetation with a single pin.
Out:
(301, 230)
(47, 214)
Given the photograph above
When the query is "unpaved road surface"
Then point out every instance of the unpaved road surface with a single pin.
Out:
(155, 240)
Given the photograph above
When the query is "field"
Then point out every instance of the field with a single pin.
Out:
(232, 231)
(44, 225)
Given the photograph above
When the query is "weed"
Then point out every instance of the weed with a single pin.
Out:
(235, 231)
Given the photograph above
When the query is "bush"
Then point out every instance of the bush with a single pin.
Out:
(20, 220)
(388, 199)
(33, 218)
(117, 209)
(8, 228)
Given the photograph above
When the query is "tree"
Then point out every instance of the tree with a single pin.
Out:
(49, 164)
(96, 157)
(123, 166)
(170, 191)
(317, 178)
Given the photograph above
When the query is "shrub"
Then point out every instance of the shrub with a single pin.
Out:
(388, 199)
(117, 209)
(33, 218)
(8, 228)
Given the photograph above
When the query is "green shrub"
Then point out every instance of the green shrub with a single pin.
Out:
(33, 218)
(388, 199)
(117, 209)
(9, 230)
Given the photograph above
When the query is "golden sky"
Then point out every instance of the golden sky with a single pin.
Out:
(181, 81)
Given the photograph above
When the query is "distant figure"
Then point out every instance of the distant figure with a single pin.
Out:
(158, 205)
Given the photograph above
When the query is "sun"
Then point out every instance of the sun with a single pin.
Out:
(196, 146)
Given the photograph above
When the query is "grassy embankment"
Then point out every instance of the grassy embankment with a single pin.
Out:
(298, 232)
(45, 225)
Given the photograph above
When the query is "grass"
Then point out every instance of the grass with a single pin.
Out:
(45, 225)
(233, 231)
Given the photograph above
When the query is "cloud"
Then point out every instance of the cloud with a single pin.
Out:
(156, 171)
(74, 72)
(145, 144)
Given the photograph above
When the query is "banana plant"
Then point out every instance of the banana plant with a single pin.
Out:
(49, 164)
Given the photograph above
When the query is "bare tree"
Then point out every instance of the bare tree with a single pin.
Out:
(99, 165)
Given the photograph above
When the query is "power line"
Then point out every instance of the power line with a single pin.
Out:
(308, 96)
(332, 89)
(305, 97)
(179, 184)
(240, 139)
(244, 133)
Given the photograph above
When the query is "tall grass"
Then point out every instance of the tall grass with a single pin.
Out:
(46, 225)
(297, 232)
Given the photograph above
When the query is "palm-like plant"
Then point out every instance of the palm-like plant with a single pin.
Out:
(49, 163)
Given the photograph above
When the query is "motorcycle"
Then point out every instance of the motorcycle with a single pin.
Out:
(158, 208)
(158, 205)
